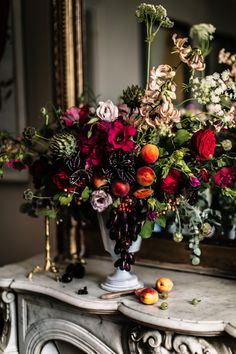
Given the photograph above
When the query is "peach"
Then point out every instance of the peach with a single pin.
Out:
(150, 153)
(143, 193)
(164, 285)
(145, 176)
(148, 296)
(120, 188)
(99, 181)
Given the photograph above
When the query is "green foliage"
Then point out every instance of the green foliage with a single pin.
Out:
(147, 229)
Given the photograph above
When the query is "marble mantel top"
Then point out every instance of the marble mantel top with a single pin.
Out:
(214, 314)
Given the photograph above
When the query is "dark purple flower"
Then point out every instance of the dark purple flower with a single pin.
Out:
(152, 215)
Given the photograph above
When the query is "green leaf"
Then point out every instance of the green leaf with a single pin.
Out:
(51, 213)
(165, 171)
(89, 134)
(181, 137)
(161, 221)
(86, 193)
(93, 120)
(65, 199)
(116, 202)
(228, 192)
(147, 229)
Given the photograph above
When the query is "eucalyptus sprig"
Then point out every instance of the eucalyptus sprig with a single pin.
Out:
(155, 17)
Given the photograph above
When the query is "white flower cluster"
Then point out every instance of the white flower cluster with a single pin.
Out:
(217, 92)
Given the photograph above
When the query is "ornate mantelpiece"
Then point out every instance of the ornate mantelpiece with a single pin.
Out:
(41, 310)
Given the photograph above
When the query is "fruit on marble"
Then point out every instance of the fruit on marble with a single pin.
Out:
(143, 193)
(150, 153)
(195, 301)
(99, 181)
(138, 291)
(164, 306)
(148, 296)
(120, 188)
(145, 176)
(164, 295)
(164, 285)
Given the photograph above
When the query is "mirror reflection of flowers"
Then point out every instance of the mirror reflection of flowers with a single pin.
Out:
(146, 157)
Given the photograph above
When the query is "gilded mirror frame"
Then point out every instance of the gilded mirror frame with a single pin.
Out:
(67, 51)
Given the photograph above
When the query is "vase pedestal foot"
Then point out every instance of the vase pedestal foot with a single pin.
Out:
(121, 280)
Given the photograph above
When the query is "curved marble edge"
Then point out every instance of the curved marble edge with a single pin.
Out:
(5, 283)
(86, 302)
(182, 326)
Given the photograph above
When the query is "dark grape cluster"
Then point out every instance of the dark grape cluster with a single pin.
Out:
(73, 270)
(124, 229)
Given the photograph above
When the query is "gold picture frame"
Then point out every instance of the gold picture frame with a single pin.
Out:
(67, 52)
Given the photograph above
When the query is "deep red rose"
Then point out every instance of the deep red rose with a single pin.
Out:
(119, 136)
(204, 143)
(61, 180)
(173, 182)
(205, 175)
(94, 149)
(225, 176)
(39, 169)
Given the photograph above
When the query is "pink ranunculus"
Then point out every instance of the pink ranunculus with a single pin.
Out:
(225, 176)
(100, 200)
(120, 136)
(74, 114)
(107, 111)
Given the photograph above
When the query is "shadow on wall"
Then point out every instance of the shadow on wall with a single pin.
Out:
(21, 236)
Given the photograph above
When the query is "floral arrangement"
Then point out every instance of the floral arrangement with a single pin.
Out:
(145, 158)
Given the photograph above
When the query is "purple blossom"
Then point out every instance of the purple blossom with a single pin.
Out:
(152, 215)
(194, 181)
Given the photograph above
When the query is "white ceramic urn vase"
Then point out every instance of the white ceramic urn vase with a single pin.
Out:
(120, 279)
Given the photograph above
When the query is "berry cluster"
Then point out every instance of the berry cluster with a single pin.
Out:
(73, 270)
(124, 229)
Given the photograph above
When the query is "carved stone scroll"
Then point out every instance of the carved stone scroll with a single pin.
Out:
(143, 340)
(8, 340)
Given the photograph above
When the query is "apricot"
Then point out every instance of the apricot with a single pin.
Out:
(150, 153)
(120, 188)
(145, 176)
(99, 181)
(143, 193)
(164, 285)
(148, 296)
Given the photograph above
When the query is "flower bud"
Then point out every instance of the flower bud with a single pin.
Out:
(226, 144)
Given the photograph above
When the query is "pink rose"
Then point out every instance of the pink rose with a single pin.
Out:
(74, 114)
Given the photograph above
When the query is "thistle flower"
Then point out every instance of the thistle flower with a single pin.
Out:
(132, 96)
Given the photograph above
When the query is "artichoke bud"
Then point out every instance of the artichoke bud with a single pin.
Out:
(132, 96)
(63, 145)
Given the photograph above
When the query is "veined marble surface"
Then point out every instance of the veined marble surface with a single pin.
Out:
(214, 314)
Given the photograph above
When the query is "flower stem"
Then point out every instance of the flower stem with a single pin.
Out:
(148, 62)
